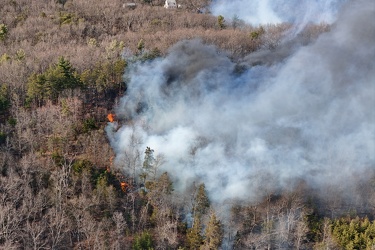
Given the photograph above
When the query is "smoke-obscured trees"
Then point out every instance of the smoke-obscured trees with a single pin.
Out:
(58, 187)
(277, 222)
(201, 202)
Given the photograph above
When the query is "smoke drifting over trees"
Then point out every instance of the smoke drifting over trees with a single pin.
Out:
(278, 11)
(308, 117)
(240, 136)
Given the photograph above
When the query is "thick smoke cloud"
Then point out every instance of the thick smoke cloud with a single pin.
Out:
(298, 12)
(309, 117)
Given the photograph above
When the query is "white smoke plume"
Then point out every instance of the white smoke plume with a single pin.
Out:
(298, 12)
(310, 117)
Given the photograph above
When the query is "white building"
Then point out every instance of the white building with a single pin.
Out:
(129, 5)
(170, 4)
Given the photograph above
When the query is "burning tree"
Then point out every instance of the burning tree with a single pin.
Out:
(111, 117)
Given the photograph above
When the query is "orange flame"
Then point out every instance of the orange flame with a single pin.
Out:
(124, 186)
(111, 117)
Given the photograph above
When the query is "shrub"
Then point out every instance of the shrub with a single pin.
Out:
(3, 31)
(143, 242)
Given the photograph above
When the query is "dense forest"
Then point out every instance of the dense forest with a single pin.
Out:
(63, 183)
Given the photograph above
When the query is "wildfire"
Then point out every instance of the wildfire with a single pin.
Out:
(124, 186)
(111, 117)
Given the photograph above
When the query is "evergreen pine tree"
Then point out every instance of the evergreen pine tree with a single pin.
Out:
(148, 164)
(201, 201)
(214, 233)
(194, 236)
